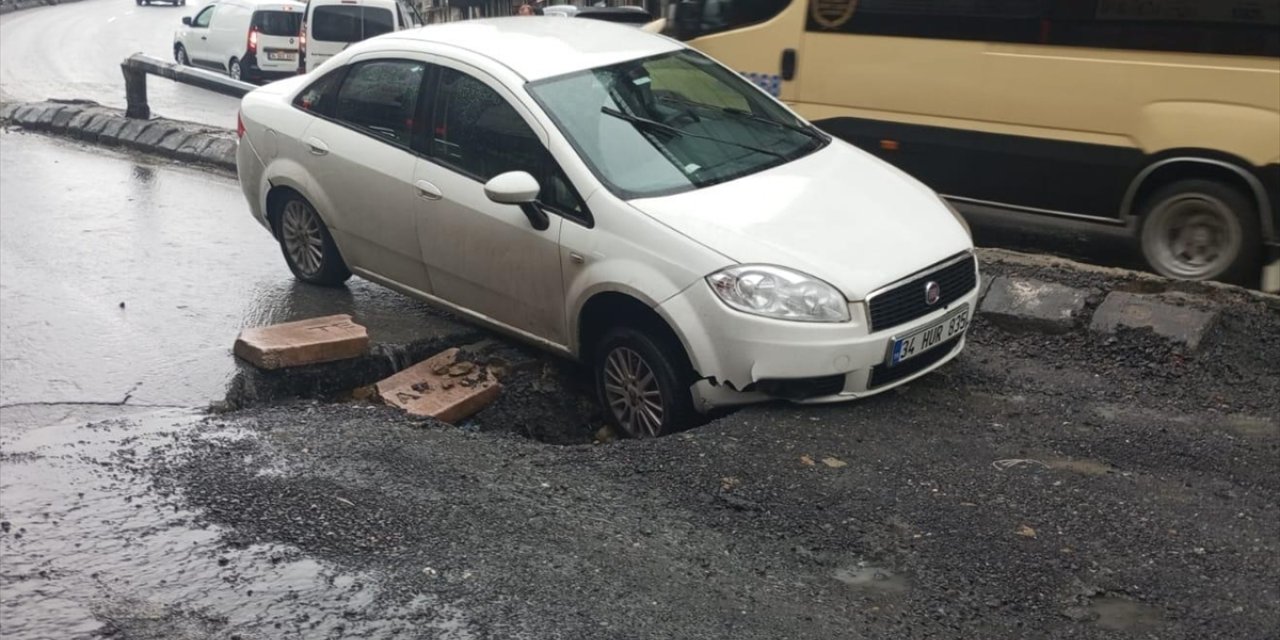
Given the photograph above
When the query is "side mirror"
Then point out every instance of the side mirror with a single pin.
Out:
(186, 20)
(519, 188)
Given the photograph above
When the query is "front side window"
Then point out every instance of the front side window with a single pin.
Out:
(479, 133)
(350, 23)
(202, 19)
(381, 97)
(672, 123)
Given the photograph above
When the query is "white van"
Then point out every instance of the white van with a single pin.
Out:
(250, 40)
(331, 25)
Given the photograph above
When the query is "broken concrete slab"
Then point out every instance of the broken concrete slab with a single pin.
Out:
(311, 341)
(443, 387)
(1025, 304)
(1168, 315)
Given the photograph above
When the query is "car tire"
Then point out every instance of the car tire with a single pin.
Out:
(180, 55)
(308, 248)
(1201, 230)
(233, 69)
(642, 381)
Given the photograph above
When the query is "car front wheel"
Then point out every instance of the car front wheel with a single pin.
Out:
(307, 245)
(643, 382)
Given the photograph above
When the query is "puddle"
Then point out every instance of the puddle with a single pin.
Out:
(1120, 614)
(1082, 466)
(90, 547)
(872, 579)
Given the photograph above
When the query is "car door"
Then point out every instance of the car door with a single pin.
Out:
(484, 256)
(357, 152)
(197, 38)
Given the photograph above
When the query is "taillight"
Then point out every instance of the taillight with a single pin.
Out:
(239, 126)
(302, 48)
(253, 40)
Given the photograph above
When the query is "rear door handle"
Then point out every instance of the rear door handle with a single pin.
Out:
(318, 147)
(427, 191)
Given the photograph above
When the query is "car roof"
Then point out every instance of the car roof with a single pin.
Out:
(542, 47)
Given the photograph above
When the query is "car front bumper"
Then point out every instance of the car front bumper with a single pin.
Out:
(743, 358)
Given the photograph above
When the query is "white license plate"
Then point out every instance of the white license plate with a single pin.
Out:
(282, 55)
(922, 340)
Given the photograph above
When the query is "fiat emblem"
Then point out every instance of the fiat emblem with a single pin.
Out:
(932, 293)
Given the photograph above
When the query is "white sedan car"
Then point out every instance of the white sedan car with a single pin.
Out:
(614, 197)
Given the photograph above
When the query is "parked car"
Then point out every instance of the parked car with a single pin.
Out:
(615, 197)
(250, 40)
(332, 25)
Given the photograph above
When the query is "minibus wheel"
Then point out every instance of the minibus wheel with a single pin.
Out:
(1200, 230)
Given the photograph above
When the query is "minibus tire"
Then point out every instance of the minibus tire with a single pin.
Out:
(1189, 222)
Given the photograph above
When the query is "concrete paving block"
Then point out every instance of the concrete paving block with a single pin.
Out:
(441, 387)
(311, 341)
(1025, 304)
(1170, 316)
(63, 117)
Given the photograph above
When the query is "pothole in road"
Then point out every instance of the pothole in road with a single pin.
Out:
(543, 397)
(872, 578)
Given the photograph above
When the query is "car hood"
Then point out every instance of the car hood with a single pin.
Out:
(838, 214)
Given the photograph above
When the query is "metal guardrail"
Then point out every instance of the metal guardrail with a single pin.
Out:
(137, 66)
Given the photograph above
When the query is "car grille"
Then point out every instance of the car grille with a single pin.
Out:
(883, 374)
(906, 301)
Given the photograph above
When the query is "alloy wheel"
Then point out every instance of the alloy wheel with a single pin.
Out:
(632, 393)
(300, 230)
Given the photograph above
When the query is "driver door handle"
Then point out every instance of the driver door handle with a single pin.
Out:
(427, 191)
(318, 147)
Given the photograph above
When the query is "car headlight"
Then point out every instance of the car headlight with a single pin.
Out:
(959, 218)
(775, 292)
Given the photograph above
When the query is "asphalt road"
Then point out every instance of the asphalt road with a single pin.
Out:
(74, 51)
(1073, 486)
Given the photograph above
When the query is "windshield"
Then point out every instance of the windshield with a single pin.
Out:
(672, 123)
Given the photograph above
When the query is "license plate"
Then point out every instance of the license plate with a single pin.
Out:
(922, 340)
(282, 55)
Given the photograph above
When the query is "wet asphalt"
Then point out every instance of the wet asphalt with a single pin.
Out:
(74, 51)
(1075, 486)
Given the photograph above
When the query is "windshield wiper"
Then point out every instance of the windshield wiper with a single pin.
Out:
(654, 124)
(805, 131)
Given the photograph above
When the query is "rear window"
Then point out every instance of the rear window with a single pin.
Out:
(277, 23)
(347, 23)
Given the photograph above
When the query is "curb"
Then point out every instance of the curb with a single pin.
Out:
(91, 122)
(19, 5)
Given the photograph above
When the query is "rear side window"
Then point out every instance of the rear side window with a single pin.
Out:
(381, 97)
(320, 97)
(348, 23)
(277, 23)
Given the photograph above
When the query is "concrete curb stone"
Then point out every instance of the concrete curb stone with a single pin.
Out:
(80, 120)
(1172, 316)
(110, 134)
(132, 130)
(93, 128)
(47, 114)
(1025, 304)
(173, 140)
(192, 146)
(7, 110)
(26, 115)
(151, 137)
(221, 153)
(62, 118)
